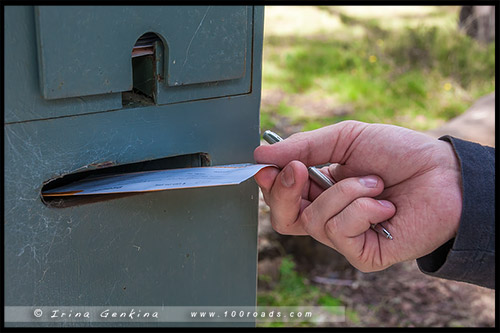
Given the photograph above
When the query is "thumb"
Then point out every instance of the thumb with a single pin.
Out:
(327, 144)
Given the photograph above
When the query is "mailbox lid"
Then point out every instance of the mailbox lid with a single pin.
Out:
(84, 50)
(23, 101)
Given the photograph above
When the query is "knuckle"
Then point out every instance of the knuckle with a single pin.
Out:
(350, 125)
(364, 268)
(278, 227)
(351, 122)
(296, 135)
(362, 264)
(280, 230)
(361, 204)
(265, 197)
(307, 219)
(331, 228)
(346, 188)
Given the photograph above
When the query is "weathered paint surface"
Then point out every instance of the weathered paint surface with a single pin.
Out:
(182, 247)
(84, 51)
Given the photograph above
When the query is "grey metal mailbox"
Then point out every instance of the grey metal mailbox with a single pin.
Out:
(78, 103)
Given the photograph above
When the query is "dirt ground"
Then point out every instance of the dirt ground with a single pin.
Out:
(400, 295)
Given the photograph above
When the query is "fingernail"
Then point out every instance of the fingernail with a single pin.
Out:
(287, 177)
(385, 203)
(369, 181)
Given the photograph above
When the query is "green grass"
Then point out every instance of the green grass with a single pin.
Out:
(414, 70)
(290, 290)
(266, 120)
(418, 76)
(293, 289)
(352, 316)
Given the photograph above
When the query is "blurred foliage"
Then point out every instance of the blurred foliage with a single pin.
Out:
(414, 76)
(293, 289)
(322, 65)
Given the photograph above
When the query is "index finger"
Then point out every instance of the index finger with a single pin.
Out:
(327, 144)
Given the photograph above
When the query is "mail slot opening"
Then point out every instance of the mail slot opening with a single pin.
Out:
(144, 63)
(109, 168)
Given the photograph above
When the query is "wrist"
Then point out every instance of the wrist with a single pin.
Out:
(451, 169)
(470, 256)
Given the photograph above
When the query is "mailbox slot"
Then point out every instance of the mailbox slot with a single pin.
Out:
(108, 168)
(145, 79)
(67, 68)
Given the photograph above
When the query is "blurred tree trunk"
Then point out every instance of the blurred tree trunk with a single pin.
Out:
(478, 22)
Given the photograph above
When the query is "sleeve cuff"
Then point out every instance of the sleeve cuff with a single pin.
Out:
(470, 256)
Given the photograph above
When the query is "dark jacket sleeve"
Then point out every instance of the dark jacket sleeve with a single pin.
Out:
(470, 256)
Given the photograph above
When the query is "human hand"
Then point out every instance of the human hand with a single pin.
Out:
(383, 172)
